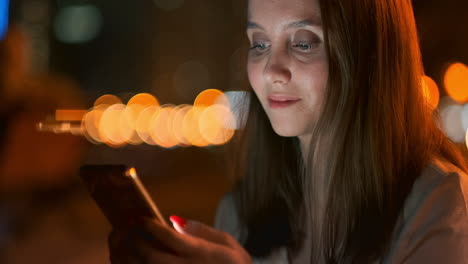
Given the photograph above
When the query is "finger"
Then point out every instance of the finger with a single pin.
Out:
(174, 241)
(148, 237)
(200, 230)
(146, 253)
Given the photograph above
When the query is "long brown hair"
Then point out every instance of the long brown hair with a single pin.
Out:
(375, 134)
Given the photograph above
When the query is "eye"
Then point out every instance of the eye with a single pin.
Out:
(304, 46)
(259, 47)
(305, 41)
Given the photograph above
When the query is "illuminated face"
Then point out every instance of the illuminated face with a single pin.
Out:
(287, 62)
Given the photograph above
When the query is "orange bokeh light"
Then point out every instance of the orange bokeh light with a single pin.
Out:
(213, 124)
(109, 127)
(430, 91)
(466, 138)
(142, 124)
(190, 127)
(91, 122)
(177, 124)
(69, 115)
(127, 123)
(144, 99)
(135, 106)
(107, 99)
(161, 127)
(143, 119)
(210, 97)
(456, 82)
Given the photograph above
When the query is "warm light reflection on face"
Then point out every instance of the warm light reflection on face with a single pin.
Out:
(287, 61)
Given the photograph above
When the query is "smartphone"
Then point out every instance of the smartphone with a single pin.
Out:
(119, 193)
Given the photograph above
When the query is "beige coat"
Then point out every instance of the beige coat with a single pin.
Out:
(432, 228)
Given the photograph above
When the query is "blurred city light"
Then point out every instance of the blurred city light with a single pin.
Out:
(456, 82)
(109, 126)
(143, 123)
(191, 128)
(177, 124)
(430, 91)
(452, 122)
(466, 138)
(91, 123)
(77, 23)
(144, 99)
(161, 127)
(210, 97)
(210, 121)
(107, 99)
(4, 6)
(127, 123)
(465, 117)
(60, 127)
(446, 101)
(69, 115)
(239, 104)
(214, 124)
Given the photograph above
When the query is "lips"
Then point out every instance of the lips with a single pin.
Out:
(282, 98)
(282, 101)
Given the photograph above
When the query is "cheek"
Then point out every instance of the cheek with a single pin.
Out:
(315, 81)
(255, 76)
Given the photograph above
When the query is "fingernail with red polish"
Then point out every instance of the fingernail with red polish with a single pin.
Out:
(179, 220)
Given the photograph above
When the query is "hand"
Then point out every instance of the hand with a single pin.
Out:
(152, 242)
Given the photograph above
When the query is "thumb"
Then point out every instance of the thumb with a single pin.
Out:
(200, 230)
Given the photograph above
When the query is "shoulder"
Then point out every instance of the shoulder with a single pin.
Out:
(433, 226)
(441, 187)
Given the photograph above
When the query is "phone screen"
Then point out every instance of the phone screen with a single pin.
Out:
(119, 193)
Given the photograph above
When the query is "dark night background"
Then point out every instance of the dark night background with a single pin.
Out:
(140, 47)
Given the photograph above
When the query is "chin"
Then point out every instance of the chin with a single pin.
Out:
(286, 131)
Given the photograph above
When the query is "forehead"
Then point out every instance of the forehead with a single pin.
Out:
(274, 11)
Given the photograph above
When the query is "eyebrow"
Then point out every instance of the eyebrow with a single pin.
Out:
(295, 24)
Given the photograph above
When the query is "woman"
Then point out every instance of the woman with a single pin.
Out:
(342, 161)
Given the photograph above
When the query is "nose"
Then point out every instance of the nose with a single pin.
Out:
(277, 70)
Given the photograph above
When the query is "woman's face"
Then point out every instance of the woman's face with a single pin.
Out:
(287, 62)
